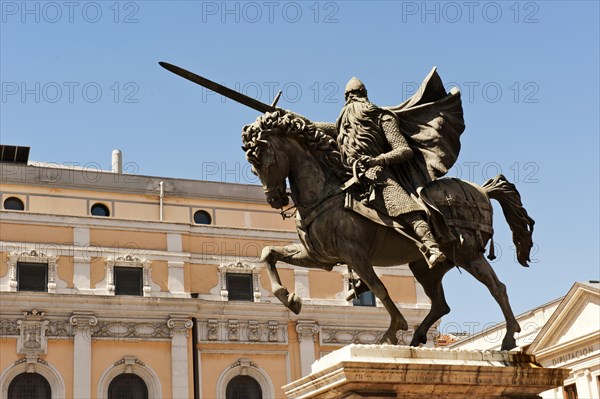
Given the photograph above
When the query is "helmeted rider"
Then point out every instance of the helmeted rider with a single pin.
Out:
(371, 136)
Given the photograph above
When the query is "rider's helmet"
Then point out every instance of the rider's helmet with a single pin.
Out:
(355, 86)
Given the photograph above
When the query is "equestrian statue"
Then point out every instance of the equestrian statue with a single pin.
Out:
(369, 190)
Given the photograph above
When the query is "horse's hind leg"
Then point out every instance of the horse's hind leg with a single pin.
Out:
(431, 280)
(482, 271)
(365, 271)
(294, 254)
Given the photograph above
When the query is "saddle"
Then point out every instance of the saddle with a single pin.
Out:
(453, 206)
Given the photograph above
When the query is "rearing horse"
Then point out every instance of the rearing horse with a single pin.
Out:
(282, 146)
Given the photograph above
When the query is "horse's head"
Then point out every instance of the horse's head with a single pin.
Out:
(266, 153)
(274, 144)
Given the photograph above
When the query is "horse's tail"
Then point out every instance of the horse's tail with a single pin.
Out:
(519, 221)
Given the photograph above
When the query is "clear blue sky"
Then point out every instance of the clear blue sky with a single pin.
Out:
(80, 79)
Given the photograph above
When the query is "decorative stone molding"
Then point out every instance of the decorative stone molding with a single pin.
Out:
(83, 320)
(131, 365)
(307, 329)
(337, 335)
(33, 257)
(58, 328)
(55, 328)
(213, 330)
(242, 268)
(57, 385)
(129, 362)
(273, 331)
(245, 366)
(130, 330)
(253, 332)
(9, 327)
(179, 325)
(233, 330)
(128, 261)
(32, 341)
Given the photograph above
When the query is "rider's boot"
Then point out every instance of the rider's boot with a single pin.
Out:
(357, 287)
(423, 233)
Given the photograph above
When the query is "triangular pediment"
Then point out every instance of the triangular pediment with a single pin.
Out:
(577, 317)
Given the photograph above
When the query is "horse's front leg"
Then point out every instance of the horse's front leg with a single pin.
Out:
(362, 266)
(294, 254)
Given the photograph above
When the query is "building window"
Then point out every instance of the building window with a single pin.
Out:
(128, 280)
(367, 298)
(202, 217)
(129, 386)
(239, 287)
(239, 282)
(130, 274)
(32, 277)
(570, 391)
(99, 209)
(243, 387)
(29, 386)
(14, 204)
(33, 271)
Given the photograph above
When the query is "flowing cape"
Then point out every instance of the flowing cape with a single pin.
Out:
(432, 122)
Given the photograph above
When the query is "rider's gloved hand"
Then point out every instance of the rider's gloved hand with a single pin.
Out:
(368, 162)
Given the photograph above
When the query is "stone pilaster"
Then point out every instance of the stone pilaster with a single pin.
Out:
(179, 326)
(176, 278)
(307, 334)
(82, 353)
(81, 273)
(302, 286)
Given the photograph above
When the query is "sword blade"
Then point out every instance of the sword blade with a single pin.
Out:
(217, 88)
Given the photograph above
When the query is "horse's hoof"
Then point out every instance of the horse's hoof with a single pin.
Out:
(294, 303)
(281, 294)
(388, 339)
(418, 339)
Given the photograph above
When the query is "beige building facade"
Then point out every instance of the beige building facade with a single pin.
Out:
(115, 284)
(563, 333)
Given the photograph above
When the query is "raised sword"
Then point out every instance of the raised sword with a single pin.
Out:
(222, 90)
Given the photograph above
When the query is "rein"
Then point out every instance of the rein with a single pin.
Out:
(311, 209)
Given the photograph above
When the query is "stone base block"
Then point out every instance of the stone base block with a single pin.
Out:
(384, 371)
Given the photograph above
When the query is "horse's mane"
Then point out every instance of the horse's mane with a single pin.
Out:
(321, 145)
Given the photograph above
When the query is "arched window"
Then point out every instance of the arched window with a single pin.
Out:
(202, 217)
(243, 387)
(29, 386)
(129, 386)
(14, 204)
(100, 210)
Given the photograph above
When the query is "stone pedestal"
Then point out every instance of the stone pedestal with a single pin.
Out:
(383, 371)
